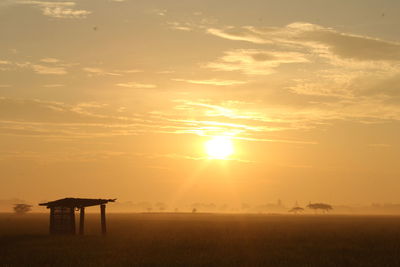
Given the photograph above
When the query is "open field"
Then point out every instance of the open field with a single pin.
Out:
(205, 240)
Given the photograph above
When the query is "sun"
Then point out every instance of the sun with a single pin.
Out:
(219, 147)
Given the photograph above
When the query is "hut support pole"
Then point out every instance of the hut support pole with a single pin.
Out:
(72, 212)
(103, 219)
(82, 221)
(51, 226)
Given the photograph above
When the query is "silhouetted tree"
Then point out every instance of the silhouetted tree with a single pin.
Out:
(320, 206)
(22, 208)
(296, 209)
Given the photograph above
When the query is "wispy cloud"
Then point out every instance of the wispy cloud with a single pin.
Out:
(98, 71)
(49, 66)
(216, 82)
(136, 85)
(255, 61)
(54, 85)
(239, 122)
(64, 10)
(345, 70)
(4, 62)
(322, 41)
(181, 26)
(41, 69)
(245, 121)
(129, 71)
(90, 120)
(50, 60)
(94, 71)
(160, 12)
(241, 34)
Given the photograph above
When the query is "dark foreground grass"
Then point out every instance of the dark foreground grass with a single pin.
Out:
(205, 240)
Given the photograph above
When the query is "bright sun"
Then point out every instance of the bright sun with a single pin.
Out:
(219, 147)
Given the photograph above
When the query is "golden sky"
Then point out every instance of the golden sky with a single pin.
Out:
(114, 98)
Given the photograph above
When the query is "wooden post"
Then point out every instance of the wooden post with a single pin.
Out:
(72, 212)
(82, 221)
(103, 219)
(51, 225)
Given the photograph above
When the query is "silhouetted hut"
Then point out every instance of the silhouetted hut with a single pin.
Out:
(62, 214)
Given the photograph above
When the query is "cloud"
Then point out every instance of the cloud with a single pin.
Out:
(59, 12)
(41, 69)
(93, 70)
(347, 65)
(49, 66)
(350, 46)
(216, 82)
(54, 85)
(98, 71)
(247, 121)
(237, 119)
(255, 61)
(136, 85)
(36, 118)
(322, 41)
(185, 26)
(50, 60)
(160, 12)
(129, 71)
(65, 10)
(241, 34)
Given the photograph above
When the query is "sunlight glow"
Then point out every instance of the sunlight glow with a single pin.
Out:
(219, 147)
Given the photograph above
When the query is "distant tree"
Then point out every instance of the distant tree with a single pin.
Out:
(143, 206)
(22, 208)
(320, 206)
(296, 209)
(161, 206)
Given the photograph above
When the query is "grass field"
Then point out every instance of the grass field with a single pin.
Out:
(205, 240)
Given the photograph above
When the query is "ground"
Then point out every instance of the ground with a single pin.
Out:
(205, 240)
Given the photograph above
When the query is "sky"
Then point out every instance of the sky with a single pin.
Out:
(119, 99)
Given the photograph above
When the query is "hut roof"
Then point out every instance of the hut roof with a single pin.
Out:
(76, 202)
